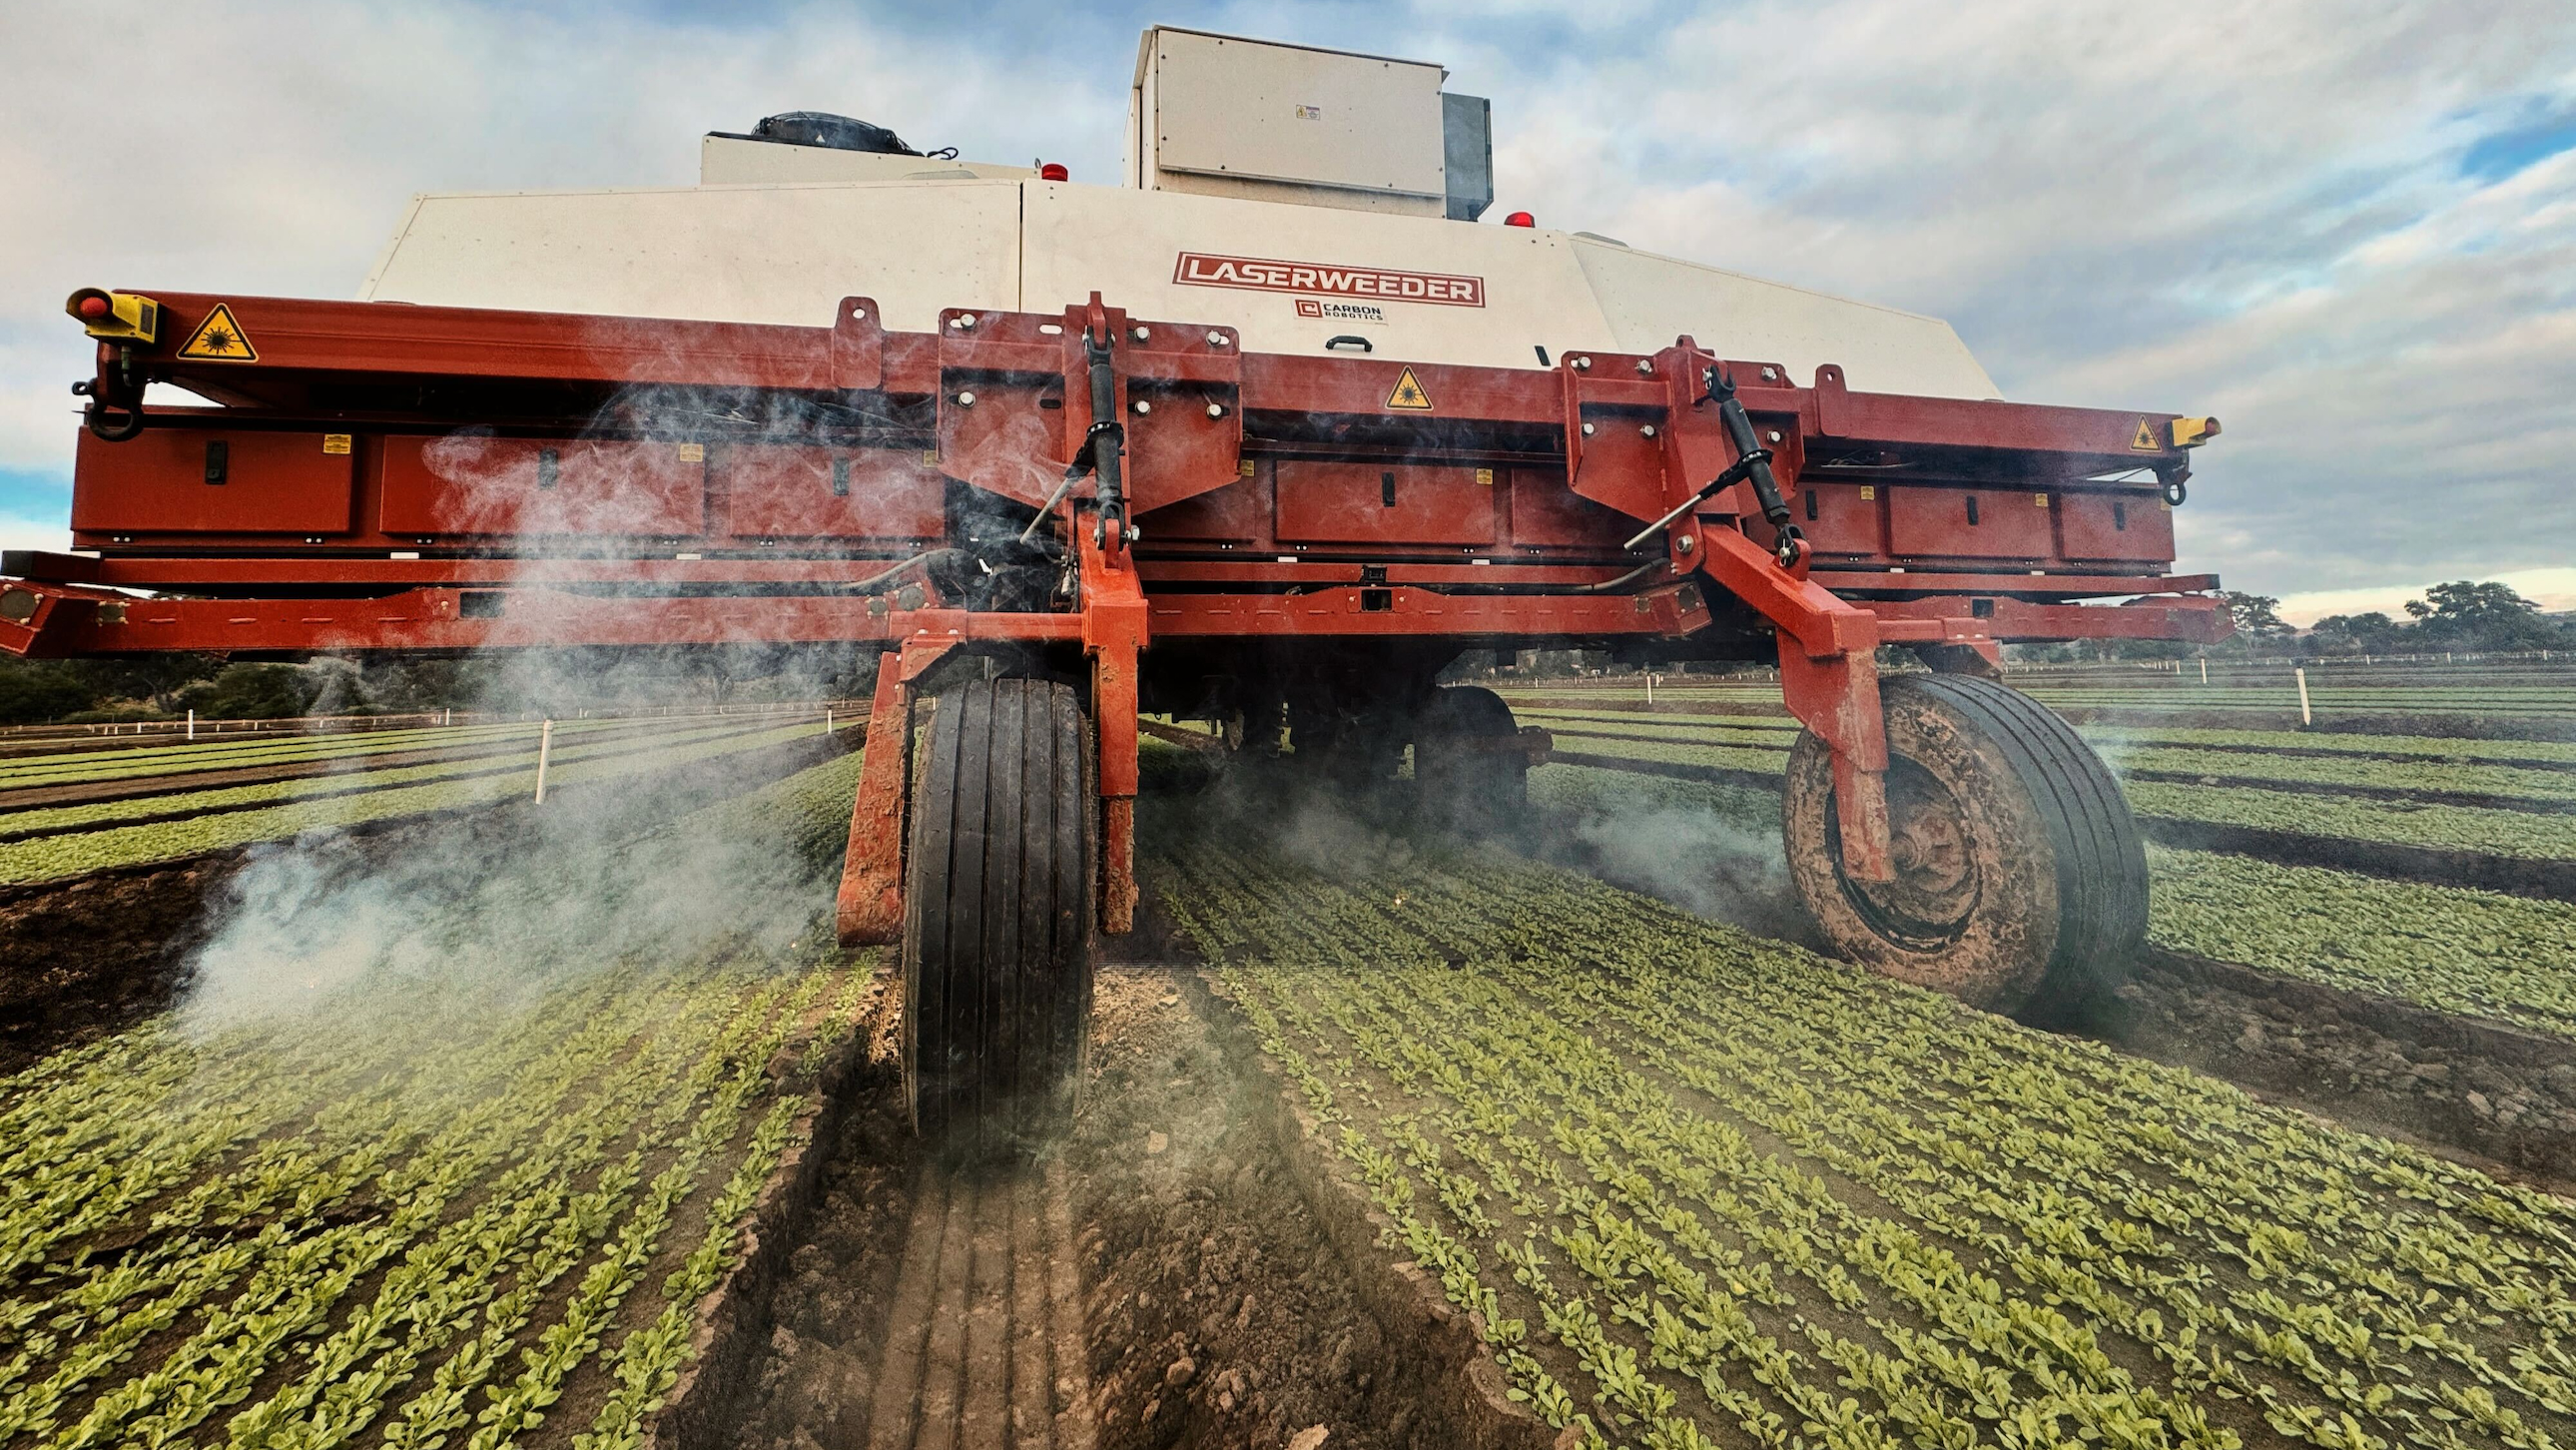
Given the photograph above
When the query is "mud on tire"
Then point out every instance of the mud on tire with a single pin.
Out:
(2021, 879)
(1000, 932)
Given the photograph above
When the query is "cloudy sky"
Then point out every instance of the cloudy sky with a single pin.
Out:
(2346, 227)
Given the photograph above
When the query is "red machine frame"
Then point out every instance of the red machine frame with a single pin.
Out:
(1256, 462)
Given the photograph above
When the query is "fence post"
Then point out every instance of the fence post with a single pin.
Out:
(192, 724)
(2204, 669)
(2304, 717)
(546, 748)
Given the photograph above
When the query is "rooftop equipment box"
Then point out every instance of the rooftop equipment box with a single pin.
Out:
(1230, 117)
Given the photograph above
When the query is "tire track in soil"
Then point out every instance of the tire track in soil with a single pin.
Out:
(1156, 1279)
(983, 1339)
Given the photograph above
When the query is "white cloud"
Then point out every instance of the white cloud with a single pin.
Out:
(270, 147)
(2255, 212)
(26, 533)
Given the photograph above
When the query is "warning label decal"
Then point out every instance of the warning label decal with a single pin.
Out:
(1377, 284)
(219, 339)
(1408, 393)
(2145, 441)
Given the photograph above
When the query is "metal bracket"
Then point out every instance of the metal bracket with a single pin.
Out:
(868, 911)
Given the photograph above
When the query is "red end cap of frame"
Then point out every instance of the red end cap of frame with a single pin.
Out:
(1054, 171)
(1520, 219)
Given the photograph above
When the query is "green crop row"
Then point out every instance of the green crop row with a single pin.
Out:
(2456, 828)
(1694, 1187)
(358, 777)
(2424, 747)
(49, 858)
(1716, 729)
(2527, 758)
(2356, 702)
(2450, 948)
(248, 753)
(80, 767)
(2457, 950)
(1773, 759)
(427, 1225)
(2238, 765)
(2495, 831)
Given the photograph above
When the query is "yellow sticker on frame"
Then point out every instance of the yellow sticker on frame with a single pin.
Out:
(219, 339)
(1408, 394)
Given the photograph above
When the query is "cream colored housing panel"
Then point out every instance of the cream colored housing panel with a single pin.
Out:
(1505, 290)
(1236, 108)
(784, 254)
(1648, 300)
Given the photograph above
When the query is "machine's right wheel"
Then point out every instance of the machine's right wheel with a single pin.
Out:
(2021, 881)
(1460, 778)
(1000, 929)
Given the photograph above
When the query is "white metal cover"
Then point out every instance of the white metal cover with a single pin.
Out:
(1646, 299)
(782, 254)
(1287, 277)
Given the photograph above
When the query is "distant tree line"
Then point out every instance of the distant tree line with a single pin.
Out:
(2488, 618)
(2462, 616)
(160, 687)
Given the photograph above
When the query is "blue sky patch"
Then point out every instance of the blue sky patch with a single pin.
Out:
(41, 494)
(2500, 154)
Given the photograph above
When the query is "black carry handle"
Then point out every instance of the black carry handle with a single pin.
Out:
(1365, 344)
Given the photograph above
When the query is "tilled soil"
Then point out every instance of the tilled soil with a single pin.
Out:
(1156, 1280)
(86, 958)
(2499, 1097)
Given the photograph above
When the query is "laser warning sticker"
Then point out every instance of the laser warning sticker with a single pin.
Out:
(1408, 393)
(2145, 439)
(219, 339)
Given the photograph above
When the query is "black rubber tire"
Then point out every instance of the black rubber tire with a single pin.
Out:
(2050, 883)
(1000, 925)
(1477, 791)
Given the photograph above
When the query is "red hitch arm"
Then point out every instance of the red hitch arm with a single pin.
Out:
(1829, 679)
(1113, 634)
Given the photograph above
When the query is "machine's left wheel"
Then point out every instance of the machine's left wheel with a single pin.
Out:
(1000, 931)
(2021, 881)
(1465, 776)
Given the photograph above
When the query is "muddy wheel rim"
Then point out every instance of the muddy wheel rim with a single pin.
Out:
(1939, 879)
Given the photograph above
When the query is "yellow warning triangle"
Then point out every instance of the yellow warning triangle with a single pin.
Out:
(219, 339)
(2145, 441)
(1408, 393)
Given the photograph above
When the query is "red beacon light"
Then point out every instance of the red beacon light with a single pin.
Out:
(1520, 219)
(94, 306)
(1054, 171)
